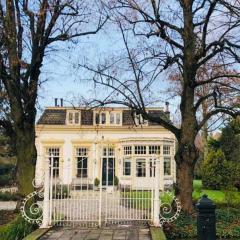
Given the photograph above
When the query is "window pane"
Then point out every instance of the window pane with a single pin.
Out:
(141, 168)
(103, 116)
(53, 154)
(97, 118)
(152, 168)
(140, 149)
(166, 150)
(127, 167)
(111, 118)
(82, 162)
(154, 149)
(127, 150)
(118, 118)
(70, 117)
(76, 118)
(167, 166)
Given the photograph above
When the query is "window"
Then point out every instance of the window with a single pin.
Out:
(127, 150)
(112, 119)
(167, 166)
(73, 117)
(152, 167)
(76, 118)
(154, 149)
(82, 162)
(140, 149)
(141, 168)
(118, 118)
(70, 118)
(97, 118)
(126, 167)
(108, 151)
(166, 150)
(103, 118)
(54, 156)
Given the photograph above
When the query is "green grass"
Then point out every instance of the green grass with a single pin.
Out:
(17, 229)
(220, 197)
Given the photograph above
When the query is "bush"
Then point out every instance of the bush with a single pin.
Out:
(217, 172)
(185, 227)
(8, 196)
(5, 180)
(60, 192)
(17, 229)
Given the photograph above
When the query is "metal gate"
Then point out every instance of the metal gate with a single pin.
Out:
(82, 203)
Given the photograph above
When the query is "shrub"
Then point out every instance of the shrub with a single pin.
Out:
(8, 196)
(217, 172)
(185, 227)
(96, 182)
(16, 230)
(60, 191)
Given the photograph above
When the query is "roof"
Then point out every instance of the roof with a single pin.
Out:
(57, 115)
(53, 117)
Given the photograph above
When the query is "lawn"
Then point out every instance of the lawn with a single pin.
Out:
(142, 199)
(220, 197)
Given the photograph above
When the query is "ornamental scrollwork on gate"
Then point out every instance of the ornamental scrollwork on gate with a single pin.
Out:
(32, 210)
(169, 209)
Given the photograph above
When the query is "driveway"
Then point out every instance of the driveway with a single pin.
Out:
(121, 233)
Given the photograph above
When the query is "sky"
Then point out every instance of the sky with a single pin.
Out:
(60, 78)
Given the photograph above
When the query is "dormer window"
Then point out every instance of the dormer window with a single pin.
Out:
(73, 118)
(100, 118)
(115, 118)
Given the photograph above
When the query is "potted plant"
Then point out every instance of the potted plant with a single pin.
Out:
(96, 183)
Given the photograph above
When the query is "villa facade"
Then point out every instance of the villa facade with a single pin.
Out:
(84, 145)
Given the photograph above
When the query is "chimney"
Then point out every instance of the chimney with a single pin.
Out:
(56, 102)
(167, 107)
(167, 113)
(61, 100)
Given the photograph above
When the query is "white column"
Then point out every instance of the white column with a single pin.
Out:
(46, 205)
(94, 154)
(156, 204)
(161, 166)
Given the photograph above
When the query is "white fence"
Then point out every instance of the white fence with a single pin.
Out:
(81, 203)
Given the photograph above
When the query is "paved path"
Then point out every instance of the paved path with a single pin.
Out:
(7, 205)
(128, 233)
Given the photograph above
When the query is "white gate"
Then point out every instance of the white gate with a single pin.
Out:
(81, 203)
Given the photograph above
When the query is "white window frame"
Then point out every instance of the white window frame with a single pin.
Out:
(127, 160)
(73, 113)
(154, 149)
(166, 149)
(140, 149)
(82, 152)
(144, 161)
(167, 159)
(56, 153)
(127, 150)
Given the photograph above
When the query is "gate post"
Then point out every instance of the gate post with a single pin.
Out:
(156, 205)
(45, 222)
(206, 219)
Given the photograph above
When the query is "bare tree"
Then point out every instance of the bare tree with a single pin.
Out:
(185, 36)
(27, 30)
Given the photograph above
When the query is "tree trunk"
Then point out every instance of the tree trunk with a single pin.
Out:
(26, 159)
(184, 185)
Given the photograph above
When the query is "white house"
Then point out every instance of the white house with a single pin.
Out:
(103, 143)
